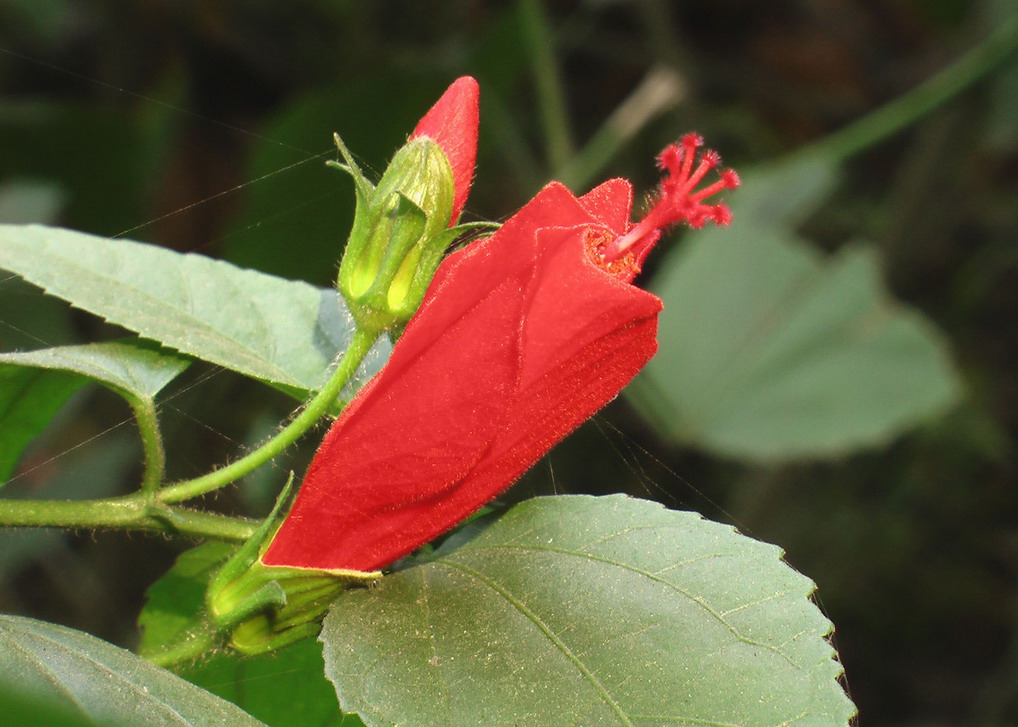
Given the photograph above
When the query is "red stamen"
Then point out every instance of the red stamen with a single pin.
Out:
(677, 200)
(689, 144)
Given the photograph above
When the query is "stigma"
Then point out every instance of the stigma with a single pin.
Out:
(677, 200)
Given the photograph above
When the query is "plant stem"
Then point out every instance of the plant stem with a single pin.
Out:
(922, 99)
(547, 79)
(359, 346)
(150, 508)
(660, 88)
(133, 512)
(151, 442)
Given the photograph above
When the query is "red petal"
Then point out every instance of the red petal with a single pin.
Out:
(403, 445)
(611, 202)
(452, 124)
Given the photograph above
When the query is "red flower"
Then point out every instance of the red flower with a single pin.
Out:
(452, 124)
(521, 337)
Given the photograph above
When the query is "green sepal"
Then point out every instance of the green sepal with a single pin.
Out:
(399, 233)
(264, 607)
(418, 276)
(175, 624)
(362, 186)
(233, 594)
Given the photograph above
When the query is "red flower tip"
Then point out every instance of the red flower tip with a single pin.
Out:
(452, 124)
(678, 200)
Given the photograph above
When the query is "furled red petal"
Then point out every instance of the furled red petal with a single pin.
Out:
(452, 124)
(610, 202)
(520, 339)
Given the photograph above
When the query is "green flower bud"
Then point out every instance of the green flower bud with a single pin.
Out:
(400, 232)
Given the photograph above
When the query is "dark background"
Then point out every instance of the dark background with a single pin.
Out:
(203, 126)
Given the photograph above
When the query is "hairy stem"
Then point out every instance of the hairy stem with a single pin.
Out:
(309, 415)
(133, 512)
(151, 442)
(151, 509)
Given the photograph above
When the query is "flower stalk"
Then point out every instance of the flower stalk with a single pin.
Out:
(360, 344)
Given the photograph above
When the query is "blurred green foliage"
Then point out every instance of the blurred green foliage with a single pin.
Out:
(205, 126)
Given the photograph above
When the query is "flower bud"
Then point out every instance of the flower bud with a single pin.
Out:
(400, 231)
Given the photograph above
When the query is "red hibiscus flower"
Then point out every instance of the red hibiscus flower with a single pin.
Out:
(521, 337)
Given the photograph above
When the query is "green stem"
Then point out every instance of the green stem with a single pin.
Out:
(659, 89)
(151, 442)
(925, 97)
(309, 415)
(548, 82)
(150, 509)
(134, 512)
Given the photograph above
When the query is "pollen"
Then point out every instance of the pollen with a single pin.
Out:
(596, 242)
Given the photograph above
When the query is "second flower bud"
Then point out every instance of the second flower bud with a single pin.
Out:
(399, 234)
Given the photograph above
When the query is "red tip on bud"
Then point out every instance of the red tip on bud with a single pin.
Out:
(452, 124)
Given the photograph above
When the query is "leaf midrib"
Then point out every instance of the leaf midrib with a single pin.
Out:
(598, 687)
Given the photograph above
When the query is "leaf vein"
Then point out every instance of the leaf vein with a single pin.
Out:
(647, 574)
(557, 642)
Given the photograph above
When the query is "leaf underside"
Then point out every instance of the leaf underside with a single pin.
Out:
(769, 350)
(29, 398)
(34, 385)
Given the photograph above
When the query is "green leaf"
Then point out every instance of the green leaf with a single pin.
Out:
(28, 400)
(34, 385)
(132, 370)
(286, 688)
(589, 610)
(770, 350)
(44, 667)
(30, 319)
(284, 332)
